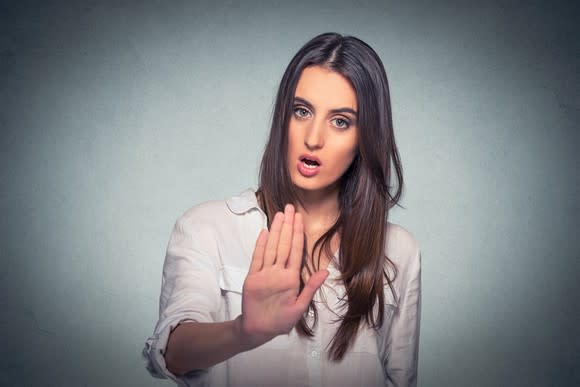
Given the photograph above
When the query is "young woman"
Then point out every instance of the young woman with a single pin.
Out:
(303, 282)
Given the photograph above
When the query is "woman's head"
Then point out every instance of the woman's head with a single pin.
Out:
(376, 152)
(322, 132)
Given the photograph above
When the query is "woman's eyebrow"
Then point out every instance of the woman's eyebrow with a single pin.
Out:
(304, 102)
(333, 111)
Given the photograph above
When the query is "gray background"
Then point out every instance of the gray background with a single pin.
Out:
(116, 117)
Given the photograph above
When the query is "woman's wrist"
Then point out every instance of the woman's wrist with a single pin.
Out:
(240, 335)
(245, 340)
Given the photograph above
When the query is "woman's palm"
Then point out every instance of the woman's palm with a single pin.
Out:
(271, 303)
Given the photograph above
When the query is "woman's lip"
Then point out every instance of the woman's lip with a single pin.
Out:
(310, 157)
(307, 171)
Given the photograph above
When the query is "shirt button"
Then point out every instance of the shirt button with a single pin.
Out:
(314, 354)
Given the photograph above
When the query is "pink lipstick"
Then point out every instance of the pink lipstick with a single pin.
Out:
(308, 165)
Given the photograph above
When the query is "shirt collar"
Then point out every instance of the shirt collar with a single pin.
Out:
(243, 202)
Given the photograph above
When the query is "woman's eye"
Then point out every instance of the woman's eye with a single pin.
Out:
(341, 123)
(301, 112)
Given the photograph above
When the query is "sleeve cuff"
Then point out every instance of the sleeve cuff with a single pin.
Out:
(154, 351)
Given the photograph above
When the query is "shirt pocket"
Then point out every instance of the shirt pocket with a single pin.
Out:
(370, 340)
(366, 341)
(231, 283)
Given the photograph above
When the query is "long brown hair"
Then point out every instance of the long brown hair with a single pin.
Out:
(366, 190)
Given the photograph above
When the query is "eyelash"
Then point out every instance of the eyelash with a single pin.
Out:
(346, 124)
(298, 110)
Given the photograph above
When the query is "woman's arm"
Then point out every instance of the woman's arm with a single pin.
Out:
(195, 345)
(403, 340)
(271, 304)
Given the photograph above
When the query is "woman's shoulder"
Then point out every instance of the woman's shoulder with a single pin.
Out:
(400, 239)
(402, 248)
(215, 213)
(214, 219)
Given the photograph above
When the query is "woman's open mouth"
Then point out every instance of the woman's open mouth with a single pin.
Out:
(308, 165)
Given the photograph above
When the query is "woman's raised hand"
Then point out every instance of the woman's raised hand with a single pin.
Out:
(271, 304)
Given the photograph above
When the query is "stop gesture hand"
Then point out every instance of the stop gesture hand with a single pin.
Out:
(271, 303)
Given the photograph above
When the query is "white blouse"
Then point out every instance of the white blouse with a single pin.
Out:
(207, 260)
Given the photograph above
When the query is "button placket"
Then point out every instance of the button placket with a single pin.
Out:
(314, 350)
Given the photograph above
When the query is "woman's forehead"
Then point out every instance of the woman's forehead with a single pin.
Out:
(325, 89)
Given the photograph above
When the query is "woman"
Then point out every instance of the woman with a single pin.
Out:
(303, 282)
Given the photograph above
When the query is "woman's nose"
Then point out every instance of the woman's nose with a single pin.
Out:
(314, 136)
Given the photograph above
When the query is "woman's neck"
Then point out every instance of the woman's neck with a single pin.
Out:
(319, 211)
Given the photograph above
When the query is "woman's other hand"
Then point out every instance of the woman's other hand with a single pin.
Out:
(271, 303)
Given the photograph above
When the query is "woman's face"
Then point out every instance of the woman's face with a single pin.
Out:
(322, 134)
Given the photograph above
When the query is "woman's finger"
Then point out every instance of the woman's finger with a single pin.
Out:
(258, 257)
(273, 237)
(295, 259)
(285, 242)
(316, 280)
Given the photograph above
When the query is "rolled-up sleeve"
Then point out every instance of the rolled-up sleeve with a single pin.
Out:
(189, 292)
(402, 345)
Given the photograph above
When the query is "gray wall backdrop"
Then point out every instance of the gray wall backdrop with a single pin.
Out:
(117, 117)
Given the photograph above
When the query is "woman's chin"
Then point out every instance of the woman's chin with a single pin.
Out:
(316, 190)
